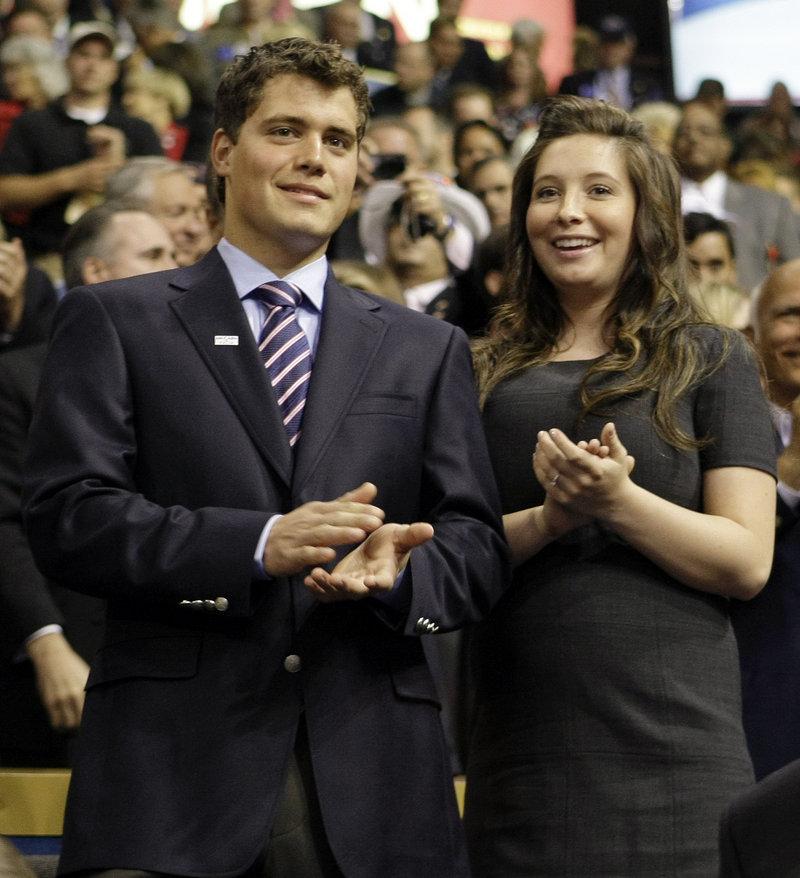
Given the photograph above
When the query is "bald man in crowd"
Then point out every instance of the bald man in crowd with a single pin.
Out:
(768, 627)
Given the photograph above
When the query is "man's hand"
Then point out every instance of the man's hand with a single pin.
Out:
(372, 566)
(13, 272)
(106, 142)
(61, 676)
(305, 536)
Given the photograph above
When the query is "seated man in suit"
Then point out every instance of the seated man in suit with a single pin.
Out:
(278, 483)
(764, 226)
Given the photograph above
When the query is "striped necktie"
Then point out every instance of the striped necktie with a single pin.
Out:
(285, 351)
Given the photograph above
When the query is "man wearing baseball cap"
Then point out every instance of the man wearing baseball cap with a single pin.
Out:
(55, 161)
(614, 80)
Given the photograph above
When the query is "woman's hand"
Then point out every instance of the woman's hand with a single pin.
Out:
(584, 477)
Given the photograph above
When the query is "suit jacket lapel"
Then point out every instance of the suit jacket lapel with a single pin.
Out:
(212, 315)
(350, 336)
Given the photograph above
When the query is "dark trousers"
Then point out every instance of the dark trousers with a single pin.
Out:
(297, 844)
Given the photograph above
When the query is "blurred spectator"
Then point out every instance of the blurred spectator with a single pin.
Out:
(615, 79)
(490, 180)
(435, 133)
(161, 46)
(112, 241)
(170, 192)
(710, 249)
(490, 265)
(399, 237)
(49, 633)
(470, 101)
(245, 23)
(377, 42)
(764, 226)
(55, 161)
(457, 59)
(711, 92)
(27, 298)
(59, 21)
(432, 207)
(413, 65)
(521, 89)
(160, 97)
(364, 38)
(660, 119)
(585, 41)
(767, 627)
(33, 74)
(28, 22)
(472, 142)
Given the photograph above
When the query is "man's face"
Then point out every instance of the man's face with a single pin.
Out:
(91, 67)
(179, 204)
(413, 65)
(414, 261)
(446, 47)
(778, 334)
(290, 175)
(343, 25)
(710, 259)
(700, 145)
(613, 54)
(492, 184)
(141, 245)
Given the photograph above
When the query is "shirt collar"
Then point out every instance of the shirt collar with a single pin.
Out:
(247, 273)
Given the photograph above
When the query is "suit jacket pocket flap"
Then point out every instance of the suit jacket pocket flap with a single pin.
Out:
(171, 657)
(384, 404)
(414, 682)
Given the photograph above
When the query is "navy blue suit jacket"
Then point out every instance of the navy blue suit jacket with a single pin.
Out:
(157, 454)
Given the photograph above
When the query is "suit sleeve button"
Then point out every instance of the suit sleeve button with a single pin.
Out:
(221, 604)
(292, 663)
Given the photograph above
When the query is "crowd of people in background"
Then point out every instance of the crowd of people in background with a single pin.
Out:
(106, 125)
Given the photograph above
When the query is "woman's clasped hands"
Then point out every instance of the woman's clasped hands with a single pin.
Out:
(582, 479)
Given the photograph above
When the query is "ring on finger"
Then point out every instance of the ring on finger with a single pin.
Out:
(554, 480)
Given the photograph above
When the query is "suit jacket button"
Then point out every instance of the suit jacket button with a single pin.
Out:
(292, 663)
(221, 604)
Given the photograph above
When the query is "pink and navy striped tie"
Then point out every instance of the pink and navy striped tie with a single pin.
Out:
(285, 351)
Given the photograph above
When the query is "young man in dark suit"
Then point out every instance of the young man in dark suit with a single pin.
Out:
(262, 704)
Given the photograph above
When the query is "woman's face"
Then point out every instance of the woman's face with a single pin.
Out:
(581, 213)
(520, 67)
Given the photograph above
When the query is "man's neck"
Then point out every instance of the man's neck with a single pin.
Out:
(83, 101)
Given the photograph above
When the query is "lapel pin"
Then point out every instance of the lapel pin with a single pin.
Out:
(226, 339)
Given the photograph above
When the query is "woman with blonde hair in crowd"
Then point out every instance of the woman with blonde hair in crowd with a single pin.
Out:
(160, 97)
(634, 454)
(33, 74)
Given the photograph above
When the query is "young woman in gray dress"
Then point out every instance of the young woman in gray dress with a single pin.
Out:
(607, 735)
